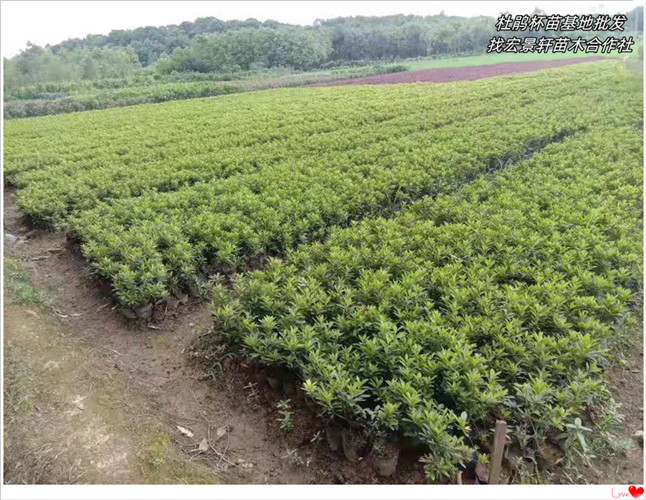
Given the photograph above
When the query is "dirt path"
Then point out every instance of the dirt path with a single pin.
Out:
(91, 397)
(97, 399)
(459, 73)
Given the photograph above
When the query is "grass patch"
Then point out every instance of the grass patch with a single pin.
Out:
(485, 59)
(18, 382)
(18, 283)
(161, 463)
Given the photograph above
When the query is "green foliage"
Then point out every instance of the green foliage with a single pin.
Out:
(497, 301)
(54, 98)
(163, 196)
(37, 65)
(247, 49)
(17, 279)
(434, 257)
(69, 76)
(209, 43)
(285, 415)
(109, 98)
(576, 433)
(82, 75)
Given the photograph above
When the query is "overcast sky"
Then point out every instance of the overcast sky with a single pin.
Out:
(51, 22)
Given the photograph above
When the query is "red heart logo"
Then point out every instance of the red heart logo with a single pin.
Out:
(635, 492)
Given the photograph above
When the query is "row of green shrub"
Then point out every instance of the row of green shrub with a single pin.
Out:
(161, 197)
(50, 90)
(496, 302)
(126, 96)
(67, 97)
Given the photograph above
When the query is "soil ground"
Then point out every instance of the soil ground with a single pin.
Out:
(91, 397)
(459, 73)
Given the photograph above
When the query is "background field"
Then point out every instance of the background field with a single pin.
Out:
(480, 59)
(210, 57)
(57, 98)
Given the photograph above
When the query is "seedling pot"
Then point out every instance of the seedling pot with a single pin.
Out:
(384, 461)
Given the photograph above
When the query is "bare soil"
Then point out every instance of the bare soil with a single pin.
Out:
(102, 390)
(91, 397)
(459, 73)
(627, 386)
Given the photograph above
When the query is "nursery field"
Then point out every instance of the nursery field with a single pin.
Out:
(162, 196)
(67, 97)
(494, 302)
(424, 258)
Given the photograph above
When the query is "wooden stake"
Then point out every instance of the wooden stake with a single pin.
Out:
(498, 448)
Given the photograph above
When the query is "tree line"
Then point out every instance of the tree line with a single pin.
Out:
(211, 45)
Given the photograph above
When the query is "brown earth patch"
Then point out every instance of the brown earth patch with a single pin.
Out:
(460, 73)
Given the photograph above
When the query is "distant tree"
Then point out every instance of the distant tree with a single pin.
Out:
(251, 48)
(209, 44)
(88, 70)
(635, 22)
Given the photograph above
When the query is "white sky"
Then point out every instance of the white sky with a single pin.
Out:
(51, 22)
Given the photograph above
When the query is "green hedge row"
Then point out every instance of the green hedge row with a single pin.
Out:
(498, 301)
(163, 196)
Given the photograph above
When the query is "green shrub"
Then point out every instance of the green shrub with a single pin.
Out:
(496, 302)
(162, 196)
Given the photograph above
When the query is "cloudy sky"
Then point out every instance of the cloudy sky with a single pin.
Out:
(51, 22)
